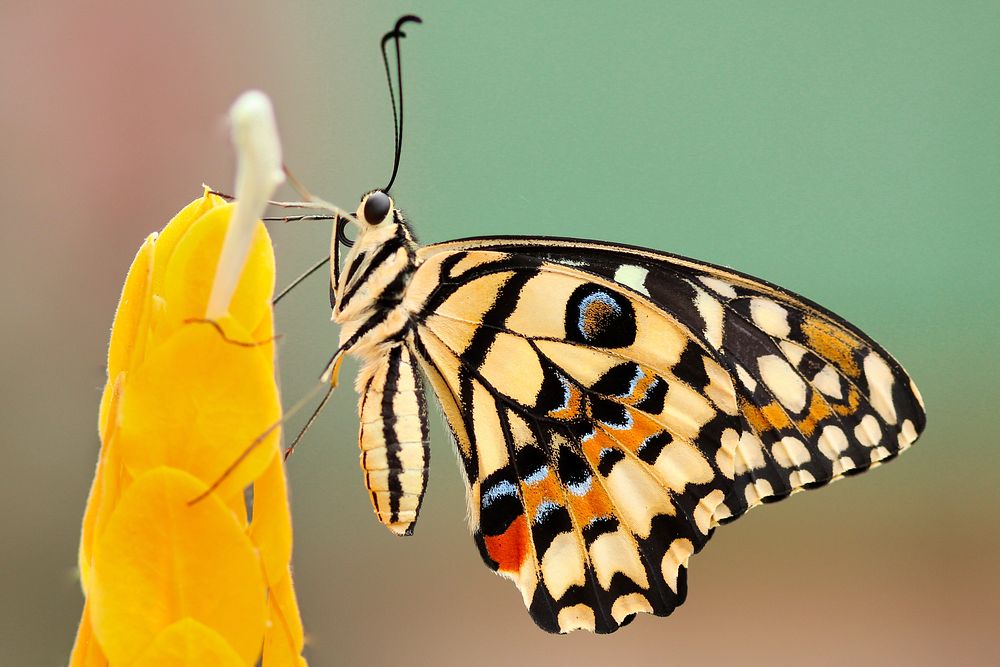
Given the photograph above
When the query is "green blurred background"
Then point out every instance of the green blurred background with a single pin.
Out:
(847, 150)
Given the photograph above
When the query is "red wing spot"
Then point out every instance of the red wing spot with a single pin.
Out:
(510, 549)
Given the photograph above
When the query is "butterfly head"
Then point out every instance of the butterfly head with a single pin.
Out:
(375, 207)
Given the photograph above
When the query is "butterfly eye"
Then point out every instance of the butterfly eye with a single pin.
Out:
(377, 207)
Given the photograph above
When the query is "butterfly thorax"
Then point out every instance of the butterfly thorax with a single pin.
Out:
(369, 293)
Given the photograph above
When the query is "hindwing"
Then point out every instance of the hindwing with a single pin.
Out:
(612, 405)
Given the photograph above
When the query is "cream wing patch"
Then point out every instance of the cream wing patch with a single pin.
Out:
(633, 276)
(783, 381)
(771, 318)
(563, 564)
(616, 552)
(880, 383)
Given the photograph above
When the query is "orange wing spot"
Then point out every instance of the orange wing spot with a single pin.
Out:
(510, 549)
(594, 503)
(631, 438)
(574, 406)
(593, 446)
(641, 387)
(776, 415)
(537, 493)
(853, 400)
(832, 344)
(755, 416)
(818, 410)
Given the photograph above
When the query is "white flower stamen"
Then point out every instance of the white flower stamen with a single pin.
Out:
(258, 173)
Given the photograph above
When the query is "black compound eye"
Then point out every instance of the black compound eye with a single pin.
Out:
(377, 207)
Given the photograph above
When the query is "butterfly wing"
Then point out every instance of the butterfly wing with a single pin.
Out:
(612, 405)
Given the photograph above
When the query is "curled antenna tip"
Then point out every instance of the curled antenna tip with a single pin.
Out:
(396, 32)
(409, 18)
(397, 119)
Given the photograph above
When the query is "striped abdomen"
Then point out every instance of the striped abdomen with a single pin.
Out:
(394, 437)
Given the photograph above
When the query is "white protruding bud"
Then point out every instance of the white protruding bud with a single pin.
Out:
(258, 173)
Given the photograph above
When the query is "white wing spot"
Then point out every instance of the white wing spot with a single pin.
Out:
(868, 432)
(880, 382)
(563, 565)
(770, 317)
(792, 351)
(629, 604)
(832, 442)
(843, 464)
(704, 511)
(828, 382)
(616, 552)
(786, 385)
(879, 453)
(676, 557)
(720, 387)
(756, 492)
(790, 452)
(633, 276)
(746, 379)
(720, 287)
(724, 459)
(710, 310)
(739, 453)
(800, 478)
(577, 617)
(907, 434)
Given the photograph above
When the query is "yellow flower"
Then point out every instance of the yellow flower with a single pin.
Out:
(168, 580)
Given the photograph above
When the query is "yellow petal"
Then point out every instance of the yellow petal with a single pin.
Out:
(160, 560)
(127, 337)
(191, 270)
(238, 506)
(106, 487)
(86, 650)
(284, 637)
(188, 642)
(197, 404)
(271, 527)
(264, 330)
(175, 231)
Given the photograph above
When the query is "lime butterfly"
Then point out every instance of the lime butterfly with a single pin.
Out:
(611, 405)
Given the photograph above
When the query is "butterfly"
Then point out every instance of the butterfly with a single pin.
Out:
(611, 405)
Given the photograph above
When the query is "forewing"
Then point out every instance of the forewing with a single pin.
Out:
(803, 375)
(611, 407)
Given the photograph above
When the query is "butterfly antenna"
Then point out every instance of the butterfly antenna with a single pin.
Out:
(397, 119)
(256, 442)
(309, 422)
(328, 379)
(311, 270)
(295, 218)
